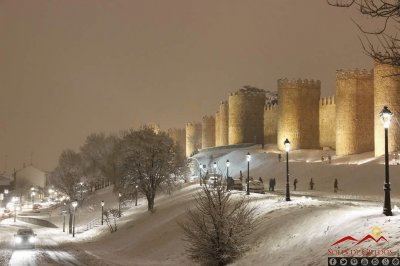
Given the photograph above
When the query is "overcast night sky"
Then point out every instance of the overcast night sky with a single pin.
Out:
(71, 68)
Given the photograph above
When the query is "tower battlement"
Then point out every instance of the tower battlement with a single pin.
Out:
(249, 91)
(299, 83)
(327, 100)
(354, 74)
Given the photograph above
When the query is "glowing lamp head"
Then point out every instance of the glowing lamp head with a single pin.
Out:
(248, 156)
(6, 191)
(119, 194)
(215, 165)
(287, 145)
(102, 203)
(386, 116)
(228, 163)
(33, 193)
(75, 204)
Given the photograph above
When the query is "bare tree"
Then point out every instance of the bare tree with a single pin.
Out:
(218, 229)
(151, 160)
(67, 175)
(381, 43)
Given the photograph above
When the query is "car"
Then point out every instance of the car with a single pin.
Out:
(25, 238)
(36, 208)
(213, 180)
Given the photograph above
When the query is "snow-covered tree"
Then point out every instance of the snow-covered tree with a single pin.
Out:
(218, 228)
(380, 28)
(151, 160)
(67, 175)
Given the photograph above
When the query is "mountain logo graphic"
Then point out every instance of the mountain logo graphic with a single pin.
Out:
(375, 236)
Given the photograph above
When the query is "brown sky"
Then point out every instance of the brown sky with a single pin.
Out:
(69, 68)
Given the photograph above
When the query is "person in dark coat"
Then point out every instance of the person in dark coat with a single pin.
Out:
(273, 184)
(335, 186)
(295, 184)
(311, 184)
(270, 185)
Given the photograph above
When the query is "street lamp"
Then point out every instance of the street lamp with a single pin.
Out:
(287, 149)
(102, 208)
(227, 172)
(386, 116)
(248, 157)
(33, 197)
(6, 191)
(119, 204)
(136, 192)
(74, 204)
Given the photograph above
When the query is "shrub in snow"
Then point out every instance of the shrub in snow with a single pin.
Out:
(218, 228)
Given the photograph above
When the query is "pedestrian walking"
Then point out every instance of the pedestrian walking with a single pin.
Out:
(335, 186)
(273, 184)
(311, 184)
(279, 157)
(295, 184)
(270, 185)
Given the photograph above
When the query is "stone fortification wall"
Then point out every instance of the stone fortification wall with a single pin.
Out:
(354, 112)
(246, 116)
(224, 123)
(179, 136)
(193, 138)
(298, 113)
(208, 132)
(217, 129)
(270, 123)
(386, 92)
(327, 122)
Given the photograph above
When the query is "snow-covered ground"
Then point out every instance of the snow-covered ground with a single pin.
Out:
(299, 232)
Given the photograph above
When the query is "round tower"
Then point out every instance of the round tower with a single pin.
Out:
(224, 123)
(246, 116)
(298, 113)
(354, 111)
(193, 138)
(386, 93)
(208, 132)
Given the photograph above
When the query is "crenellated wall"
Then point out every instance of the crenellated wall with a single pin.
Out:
(298, 113)
(270, 123)
(386, 93)
(354, 112)
(193, 138)
(246, 116)
(224, 123)
(208, 132)
(327, 122)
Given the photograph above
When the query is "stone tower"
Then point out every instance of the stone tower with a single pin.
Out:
(354, 111)
(179, 136)
(193, 138)
(246, 116)
(217, 129)
(386, 92)
(270, 123)
(327, 122)
(298, 113)
(224, 123)
(208, 132)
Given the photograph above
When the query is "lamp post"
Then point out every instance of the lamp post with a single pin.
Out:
(287, 148)
(74, 205)
(102, 208)
(33, 197)
(136, 194)
(248, 157)
(386, 116)
(119, 204)
(227, 172)
(215, 174)
(63, 213)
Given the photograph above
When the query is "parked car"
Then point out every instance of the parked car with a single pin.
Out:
(25, 238)
(36, 208)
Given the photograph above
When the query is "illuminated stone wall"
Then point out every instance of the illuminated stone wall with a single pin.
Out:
(246, 116)
(298, 113)
(224, 123)
(386, 92)
(327, 122)
(208, 132)
(270, 124)
(193, 138)
(179, 136)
